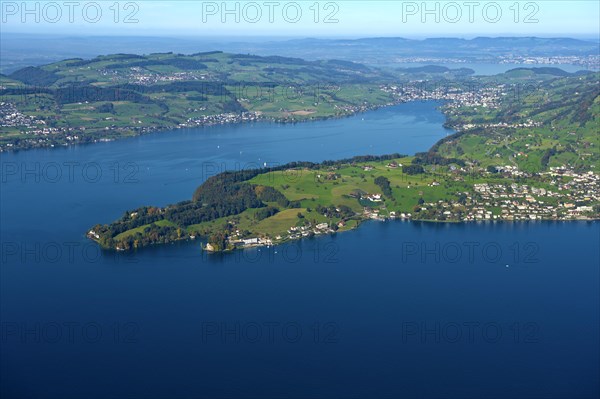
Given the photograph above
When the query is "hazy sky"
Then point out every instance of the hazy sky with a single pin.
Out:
(350, 18)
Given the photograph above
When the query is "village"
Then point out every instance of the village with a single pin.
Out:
(141, 76)
(220, 119)
(487, 97)
(293, 233)
(570, 198)
(10, 116)
(569, 201)
(588, 62)
(41, 134)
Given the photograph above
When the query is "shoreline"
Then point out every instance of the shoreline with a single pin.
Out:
(424, 221)
(275, 243)
(144, 131)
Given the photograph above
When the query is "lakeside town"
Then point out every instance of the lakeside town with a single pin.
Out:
(568, 197)
(457, 96)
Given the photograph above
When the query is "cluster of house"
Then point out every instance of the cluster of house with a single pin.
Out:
(487, 97)
(11, 117)
(220, 119)
(511, 170)
(137, 75)
(296, 232)
(571, 199)
(381, 215)
(584, 186)
(526, 124)
(592, 62)
(571, 195)
(351, 109)
(430, 60)
(252, 242)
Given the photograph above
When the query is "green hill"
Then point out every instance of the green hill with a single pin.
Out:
(113, 96)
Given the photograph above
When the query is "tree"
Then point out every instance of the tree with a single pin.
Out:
(413, 169)
(218, 240)
(384, 184)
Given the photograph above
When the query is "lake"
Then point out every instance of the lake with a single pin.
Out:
(395, 309)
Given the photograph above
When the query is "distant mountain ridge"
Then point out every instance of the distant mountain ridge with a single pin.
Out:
(20, 50)
(479, 48)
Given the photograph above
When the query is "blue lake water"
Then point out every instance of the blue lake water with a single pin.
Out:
(391, 309)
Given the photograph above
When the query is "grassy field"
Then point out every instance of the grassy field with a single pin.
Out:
(142, 228)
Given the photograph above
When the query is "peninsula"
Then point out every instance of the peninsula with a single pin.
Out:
(514, 158)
